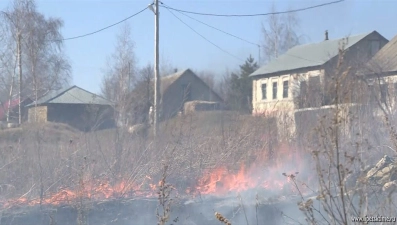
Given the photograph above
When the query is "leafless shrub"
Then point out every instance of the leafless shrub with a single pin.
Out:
(343, 150)
(165, 198)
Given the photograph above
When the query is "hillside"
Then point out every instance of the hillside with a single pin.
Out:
(51, 132)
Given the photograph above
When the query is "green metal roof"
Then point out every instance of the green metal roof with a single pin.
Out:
(385, 60)
(308, 55)
(71, 95)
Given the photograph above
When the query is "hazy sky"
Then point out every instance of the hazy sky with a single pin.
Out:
(184, 48)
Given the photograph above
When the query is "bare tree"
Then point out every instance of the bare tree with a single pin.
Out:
(43, 59)
(208, 77)
(225, 85)
(280, 34)
(166, 66)
(345, 153)
(120, 74)
(212, 80)
(8, 62)
(142, 96)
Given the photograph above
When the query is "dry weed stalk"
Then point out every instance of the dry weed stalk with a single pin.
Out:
(305, 205)
(163, 211)
(222, 218)
(242, 206)
(341, 148)
(52, 219)
(80, 205)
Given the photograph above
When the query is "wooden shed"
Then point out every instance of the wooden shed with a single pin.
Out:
(74, 106)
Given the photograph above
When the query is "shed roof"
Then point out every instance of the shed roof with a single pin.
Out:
(166, 81)
(71, 95)
(385, 60)
(308, 55)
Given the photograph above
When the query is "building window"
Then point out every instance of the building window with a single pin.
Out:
(285, 89)
(274, 90)
(264, 92)
(314, 95)
(302, 94)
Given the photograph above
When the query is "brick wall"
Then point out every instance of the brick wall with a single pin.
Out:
(37, 114)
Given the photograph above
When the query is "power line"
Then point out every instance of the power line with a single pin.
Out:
(204, 37)
(251, 15)
(88, 34)
(242, 39)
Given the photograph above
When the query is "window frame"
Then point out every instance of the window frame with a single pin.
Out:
(303, 91)
(285, 89)
(274, 88)
(264, 91)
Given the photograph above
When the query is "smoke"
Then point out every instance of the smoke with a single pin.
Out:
(263, 190)
(142, 212)
(261, 195)
(267, 194)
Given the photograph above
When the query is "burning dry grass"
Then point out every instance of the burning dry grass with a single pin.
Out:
(212, 153)
(260, 174)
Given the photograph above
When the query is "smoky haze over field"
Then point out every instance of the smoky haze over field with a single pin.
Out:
(247, 168)
(232, 178)
(327, 158)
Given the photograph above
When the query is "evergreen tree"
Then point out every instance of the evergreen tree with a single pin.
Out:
(240, 95)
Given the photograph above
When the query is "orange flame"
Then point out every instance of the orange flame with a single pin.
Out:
(218, 181)
(94, 191)
(221, 182)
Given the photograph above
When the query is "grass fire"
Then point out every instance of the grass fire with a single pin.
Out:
(241, 177)
(240, 172)
(305, 134)
(73, 172)
(317, 166)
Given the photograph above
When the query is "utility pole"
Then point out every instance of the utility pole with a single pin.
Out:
(156, 69)
(20, 77)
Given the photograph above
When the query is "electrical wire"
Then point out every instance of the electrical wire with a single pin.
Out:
(251, 15)
(88, 34)
(205, 37)
(242, 39)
